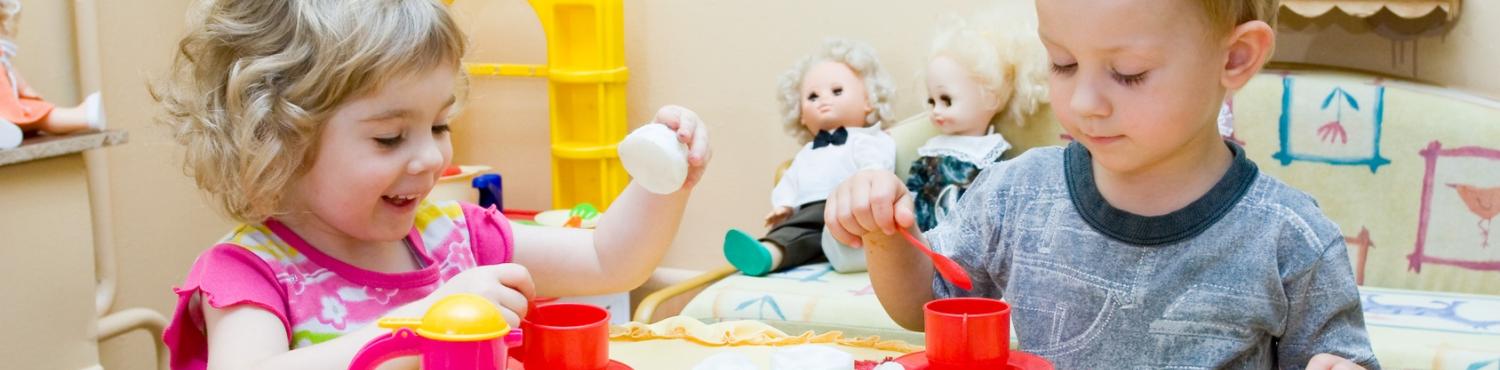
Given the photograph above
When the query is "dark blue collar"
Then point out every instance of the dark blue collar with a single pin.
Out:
(1173, 227)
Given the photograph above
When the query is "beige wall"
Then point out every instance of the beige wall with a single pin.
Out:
(719, 58)
(1465, 57)
(160, 221)
(46, 57)
(43, 207)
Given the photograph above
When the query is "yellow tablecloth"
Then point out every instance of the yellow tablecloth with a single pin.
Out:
(682, 342)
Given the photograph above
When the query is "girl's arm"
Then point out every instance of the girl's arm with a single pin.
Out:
(244, 336)
(631, 237)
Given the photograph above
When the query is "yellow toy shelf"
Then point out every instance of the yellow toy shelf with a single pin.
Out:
(586, 77)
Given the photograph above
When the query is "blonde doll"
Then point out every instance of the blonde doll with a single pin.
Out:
(321, 126)
(979, 76)
(833, 102)
(22, 110)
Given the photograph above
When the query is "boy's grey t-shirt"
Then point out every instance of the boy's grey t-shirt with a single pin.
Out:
(1251, 276)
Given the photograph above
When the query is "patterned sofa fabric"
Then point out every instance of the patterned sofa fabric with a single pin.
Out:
(1430, 330)
(808, 297)
(1411, 173)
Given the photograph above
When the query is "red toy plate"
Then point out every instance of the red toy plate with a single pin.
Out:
(1018, 361)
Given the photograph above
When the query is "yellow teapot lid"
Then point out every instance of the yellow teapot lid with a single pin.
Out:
(456, 318)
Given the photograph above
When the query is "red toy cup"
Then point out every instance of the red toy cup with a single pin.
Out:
(565, 336)
(967, 333)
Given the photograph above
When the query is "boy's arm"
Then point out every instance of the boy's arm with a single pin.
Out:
(901, 275)
(1324, 313)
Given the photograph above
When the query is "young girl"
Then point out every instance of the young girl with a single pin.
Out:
(980, 75)
(322, 125)
(22, 110)
(1151, 242)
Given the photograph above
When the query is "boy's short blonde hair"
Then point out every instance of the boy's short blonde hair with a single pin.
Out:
(254, 80)
(1224, 15)
(860, 57)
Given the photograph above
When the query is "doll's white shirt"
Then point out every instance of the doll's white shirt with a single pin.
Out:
(982, 151)
(816, 172)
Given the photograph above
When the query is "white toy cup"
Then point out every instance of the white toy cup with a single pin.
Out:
(653, 156)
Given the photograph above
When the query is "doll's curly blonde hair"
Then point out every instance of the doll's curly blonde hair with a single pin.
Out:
(860, 57)
(1003, 53)
(254, 80)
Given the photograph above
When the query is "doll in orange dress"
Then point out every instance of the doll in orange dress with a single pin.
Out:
(22, 110)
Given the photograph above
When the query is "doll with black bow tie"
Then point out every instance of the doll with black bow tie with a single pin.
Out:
(833, 101)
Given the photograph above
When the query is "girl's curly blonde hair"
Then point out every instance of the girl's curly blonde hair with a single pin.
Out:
(254, 80)
(1003, 53)
(860, 57)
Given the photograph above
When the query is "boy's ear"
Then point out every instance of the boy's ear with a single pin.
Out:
(1250, 46)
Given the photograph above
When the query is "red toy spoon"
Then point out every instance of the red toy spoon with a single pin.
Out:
(950, 270)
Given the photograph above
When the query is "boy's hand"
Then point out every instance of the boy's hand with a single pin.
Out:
(777, 215)
(507, 285)
(870, 201)
(1324, 361)
(691, 131)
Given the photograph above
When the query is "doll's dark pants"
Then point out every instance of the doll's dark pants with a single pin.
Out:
(800, 236)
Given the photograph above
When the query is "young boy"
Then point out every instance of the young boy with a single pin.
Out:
(1149, 243)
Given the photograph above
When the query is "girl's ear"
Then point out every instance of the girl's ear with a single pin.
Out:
(1249, 48)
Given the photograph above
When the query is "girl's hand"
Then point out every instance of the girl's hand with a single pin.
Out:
(507, 285)
(777, 215)
(870, 201)
(691, 131)
(1324, 361)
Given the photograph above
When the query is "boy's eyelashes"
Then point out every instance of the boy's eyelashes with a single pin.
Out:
(1123, 79)
(1129, 80)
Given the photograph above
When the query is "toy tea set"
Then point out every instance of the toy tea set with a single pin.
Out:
(465, 331)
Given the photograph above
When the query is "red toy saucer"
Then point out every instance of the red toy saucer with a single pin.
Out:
(515, 364)
(1018, 361)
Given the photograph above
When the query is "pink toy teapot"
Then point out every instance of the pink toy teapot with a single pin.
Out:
(461, 331)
